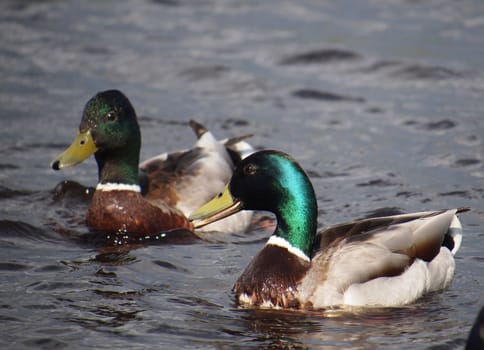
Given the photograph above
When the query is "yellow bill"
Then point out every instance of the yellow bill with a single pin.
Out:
(82, 147)
(221, 206)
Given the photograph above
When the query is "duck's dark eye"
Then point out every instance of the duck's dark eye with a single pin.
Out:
(250, 169)
(111, 116)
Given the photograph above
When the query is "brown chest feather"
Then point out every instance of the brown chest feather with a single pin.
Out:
(126, 211)
(272, 276)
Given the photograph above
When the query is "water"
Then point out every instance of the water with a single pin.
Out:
(381, 101)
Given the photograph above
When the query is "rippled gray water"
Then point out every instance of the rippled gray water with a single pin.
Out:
(381, 101)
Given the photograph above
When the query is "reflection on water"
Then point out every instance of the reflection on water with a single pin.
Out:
(381, 102)
(343, 328)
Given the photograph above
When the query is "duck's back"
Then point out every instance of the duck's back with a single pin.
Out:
(384, 261)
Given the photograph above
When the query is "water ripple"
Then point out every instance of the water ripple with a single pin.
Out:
(169, 266)
(203, 73)
(421, 72)
(325, 96)
(413, 71)
(10, 266)
(9, 193)
(21, 231)
(323, 56)
(466, 162)
(376, 183)
(443, 124)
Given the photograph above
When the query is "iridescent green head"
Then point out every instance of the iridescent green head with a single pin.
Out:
(270, 181)
(109, 129)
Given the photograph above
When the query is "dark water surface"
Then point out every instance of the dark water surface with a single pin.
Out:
(381, 101)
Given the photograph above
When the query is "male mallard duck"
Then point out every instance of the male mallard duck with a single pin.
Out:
(167, 189)
(385, 261)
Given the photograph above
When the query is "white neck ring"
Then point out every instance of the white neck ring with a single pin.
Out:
(282, 243)
(117, 187)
